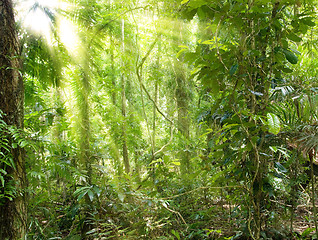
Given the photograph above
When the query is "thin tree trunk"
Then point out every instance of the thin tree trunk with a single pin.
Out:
(85, 128)
(13, 213)
(84, 138)
(57, 132)
(153, 150)
(112, 67)
(123, 94)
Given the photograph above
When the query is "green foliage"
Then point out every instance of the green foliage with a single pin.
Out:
(90, 191)
(290, 56)
(273, 123)
(250, 98)
(11, 138)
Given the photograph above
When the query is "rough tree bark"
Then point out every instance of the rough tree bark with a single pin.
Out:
(12, 213)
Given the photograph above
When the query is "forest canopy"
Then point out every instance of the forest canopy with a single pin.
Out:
(183, 119)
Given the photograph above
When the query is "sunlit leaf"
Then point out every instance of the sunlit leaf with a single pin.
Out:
(90, 194)
(156, 161)
(273, 148)
(307, 232)
(121, 196)
(280, 167)
(80, 196)
(273, 123)
(180, 52)
(196, 3)
(208, 42)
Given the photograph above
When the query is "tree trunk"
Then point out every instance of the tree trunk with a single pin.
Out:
(85, 156)
(182, 97)
(123, 86)
(84, 118)
(112, 66)
(13, 213)
(183, 120)
(153, 150)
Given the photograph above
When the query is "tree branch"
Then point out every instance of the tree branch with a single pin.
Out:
(139, 76)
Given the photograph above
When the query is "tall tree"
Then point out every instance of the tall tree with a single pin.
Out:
(182, 97)
(124, 107)
(12, 211)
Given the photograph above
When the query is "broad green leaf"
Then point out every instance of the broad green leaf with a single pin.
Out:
(233, 69)
(295, 24)
(308, 21)
(80, 190)
(11, 163)
(286, 70)
(303, 28)
(90, 194)
(273, 123)
(196, 3)
(273, 148)
(290, 56)
(292, 36)
(80, 196)
(23, 143)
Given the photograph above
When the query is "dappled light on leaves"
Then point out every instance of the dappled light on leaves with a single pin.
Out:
(167, 119)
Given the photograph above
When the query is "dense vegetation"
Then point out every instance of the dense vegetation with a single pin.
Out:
(190, 119)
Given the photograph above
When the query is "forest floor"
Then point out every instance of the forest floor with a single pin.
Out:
(303, 219)
(303, 223)
(224, 224)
